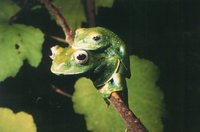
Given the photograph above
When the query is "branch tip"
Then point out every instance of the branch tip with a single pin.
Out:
(60, 20)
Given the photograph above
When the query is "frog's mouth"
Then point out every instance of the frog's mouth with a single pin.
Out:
(64, 69)
(57, 68)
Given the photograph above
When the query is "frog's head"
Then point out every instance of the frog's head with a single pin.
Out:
(68, 61)
(91, 38)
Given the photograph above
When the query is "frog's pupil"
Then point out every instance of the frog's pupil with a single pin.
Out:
(81, 57)
(96, 38)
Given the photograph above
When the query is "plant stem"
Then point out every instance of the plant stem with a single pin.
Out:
(57, 38)
(60, 20)
(91, 12)
(132, 122)
(60, 91)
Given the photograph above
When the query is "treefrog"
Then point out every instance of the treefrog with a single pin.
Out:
(68, 61)
(102, 40)
(96, 51)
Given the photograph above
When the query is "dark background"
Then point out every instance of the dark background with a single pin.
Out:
(166, 32)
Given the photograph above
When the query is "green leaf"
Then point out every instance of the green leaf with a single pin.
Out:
(99, 116)
(19, 122)
(145, 99)
(17, 43)
(73, 12)
(8, 9)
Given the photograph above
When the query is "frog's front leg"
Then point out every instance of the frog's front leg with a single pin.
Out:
(116, 84)
(113, 85)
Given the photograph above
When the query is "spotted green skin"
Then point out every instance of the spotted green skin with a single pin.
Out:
(108, 63)
(109, 43)
(64, 62)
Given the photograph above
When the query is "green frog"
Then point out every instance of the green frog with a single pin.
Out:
(99, 52)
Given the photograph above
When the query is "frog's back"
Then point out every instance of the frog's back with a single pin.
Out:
(120, 50)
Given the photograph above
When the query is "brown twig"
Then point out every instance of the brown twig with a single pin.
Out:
(58, 90)
(132, 122)
(91, 12)
(57, 38)
(60, 20)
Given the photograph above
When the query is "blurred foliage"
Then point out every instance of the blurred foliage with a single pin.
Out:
(19, 122)
(145, 99)
(103, 3)
(73, 10)
(8, 9)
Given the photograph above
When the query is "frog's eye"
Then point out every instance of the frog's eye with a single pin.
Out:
(81, 57)
(96, 38)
